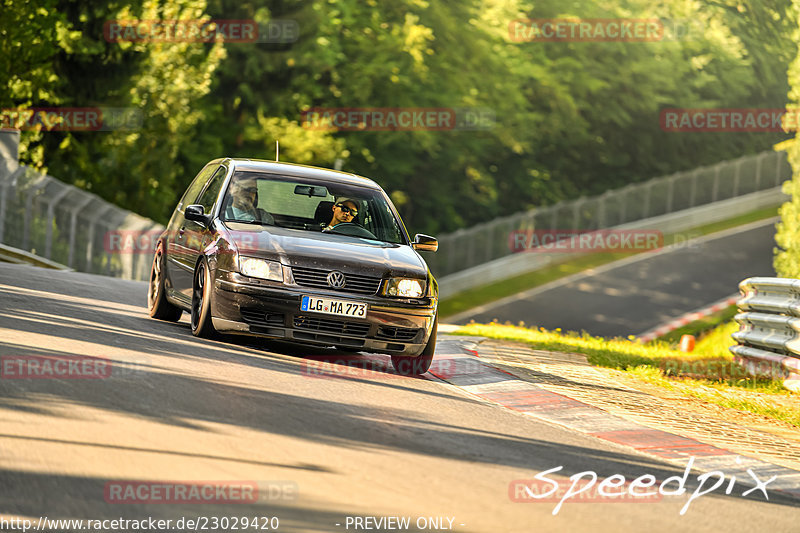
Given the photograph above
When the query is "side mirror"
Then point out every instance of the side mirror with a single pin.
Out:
(425, 243)
(196, 213)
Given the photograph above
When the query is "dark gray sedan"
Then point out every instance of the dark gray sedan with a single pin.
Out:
(297, 253)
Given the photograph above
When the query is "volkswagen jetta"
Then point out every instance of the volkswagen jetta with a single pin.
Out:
(297, 253)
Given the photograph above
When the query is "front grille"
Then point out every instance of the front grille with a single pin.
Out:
(258, 317)
(397, 334)
(355, 283)
(335, 327)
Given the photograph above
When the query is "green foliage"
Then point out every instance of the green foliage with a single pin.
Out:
(572, 118)
(787, 255)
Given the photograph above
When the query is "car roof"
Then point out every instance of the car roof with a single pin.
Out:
(301, 171)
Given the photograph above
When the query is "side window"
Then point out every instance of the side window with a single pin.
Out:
(211, 193)
(196, 186)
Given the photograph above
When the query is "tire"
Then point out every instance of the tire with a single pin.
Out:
(406, 365)
(157, 302)
(201, 302)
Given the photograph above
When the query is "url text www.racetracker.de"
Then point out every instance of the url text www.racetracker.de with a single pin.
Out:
(197, 523)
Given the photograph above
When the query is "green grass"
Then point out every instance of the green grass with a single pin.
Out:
(699, 328)
(707, 373)
(487, 293)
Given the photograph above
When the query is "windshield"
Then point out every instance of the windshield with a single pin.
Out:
(294, 203)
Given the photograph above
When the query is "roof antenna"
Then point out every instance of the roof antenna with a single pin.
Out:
(277, 151)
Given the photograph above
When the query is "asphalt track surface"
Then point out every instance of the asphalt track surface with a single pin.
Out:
(367, 445)
(635, 295)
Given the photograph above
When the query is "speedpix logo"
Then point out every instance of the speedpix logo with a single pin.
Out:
(587, 486)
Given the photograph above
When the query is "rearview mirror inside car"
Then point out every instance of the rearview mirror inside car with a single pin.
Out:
(308, 190)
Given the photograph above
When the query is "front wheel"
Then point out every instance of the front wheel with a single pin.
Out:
(201, 302)
(414, 366)
(157, 302)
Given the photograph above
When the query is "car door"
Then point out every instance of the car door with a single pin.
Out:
(179, 273)
(196, 235)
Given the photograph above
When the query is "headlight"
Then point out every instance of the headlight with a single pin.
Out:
(407, 288)
(260, 268)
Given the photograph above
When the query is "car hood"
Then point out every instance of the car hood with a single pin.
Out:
(326, 251)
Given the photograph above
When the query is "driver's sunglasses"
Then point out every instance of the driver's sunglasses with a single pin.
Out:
(346, 209)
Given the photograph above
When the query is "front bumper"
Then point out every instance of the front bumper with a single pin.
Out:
(241, 305)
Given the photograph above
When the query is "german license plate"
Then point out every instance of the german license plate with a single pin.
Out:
(330, 306)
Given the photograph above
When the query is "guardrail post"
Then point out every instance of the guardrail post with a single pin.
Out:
(6, 184)
(778, 168)
(715, 188)
(693, 191)
(670, 192)
(90, 245)
(73, 228)
(623, 209)
(576, 212)
(451, 254)
(489, 243)
(26, 232)
(51, 215)
(736, 177)
(601, 210)
(649, 188)
(142, 272)
(759, 158)
(471, 252)
(110, 226)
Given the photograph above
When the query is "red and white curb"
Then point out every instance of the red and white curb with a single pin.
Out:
(688, 318)
(458, 364)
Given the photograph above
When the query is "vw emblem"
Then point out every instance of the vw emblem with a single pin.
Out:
(336, 279)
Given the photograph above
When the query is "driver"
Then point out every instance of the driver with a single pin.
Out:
(345, 210)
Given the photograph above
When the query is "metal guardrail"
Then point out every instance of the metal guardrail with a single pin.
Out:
(673, 223)
(9, 254)
(489, 241)
(66, 225)
(769, 329)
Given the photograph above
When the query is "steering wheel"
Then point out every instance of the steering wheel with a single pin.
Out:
(350, 228)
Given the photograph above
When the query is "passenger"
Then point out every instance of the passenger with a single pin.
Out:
(244, 202)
